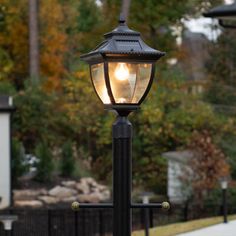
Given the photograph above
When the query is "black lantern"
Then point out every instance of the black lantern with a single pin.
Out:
(226, 14)
(122, 68)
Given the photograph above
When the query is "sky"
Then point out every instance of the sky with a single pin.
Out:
(203, 25)
(229, 1)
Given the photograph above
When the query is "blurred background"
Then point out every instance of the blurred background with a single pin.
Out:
(184, 134)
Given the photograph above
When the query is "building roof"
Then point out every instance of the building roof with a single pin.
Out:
(6, 103)
(179, 156)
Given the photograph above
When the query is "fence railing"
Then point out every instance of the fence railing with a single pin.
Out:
(96, 222)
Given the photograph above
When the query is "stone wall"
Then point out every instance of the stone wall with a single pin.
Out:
(87, 190)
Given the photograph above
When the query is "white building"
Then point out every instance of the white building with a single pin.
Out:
(177, 164)
(5, 151)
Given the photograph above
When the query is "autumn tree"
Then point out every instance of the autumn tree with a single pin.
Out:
(206, 166)
(6, 64)
(52, 37)
(53, 43)
(165, 123)
(68, 28)
(14, 39)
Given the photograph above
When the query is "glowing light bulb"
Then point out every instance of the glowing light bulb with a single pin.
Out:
(121, 100)
(122, 72)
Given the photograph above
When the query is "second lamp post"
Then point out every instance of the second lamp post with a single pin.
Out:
(226, 14)
(122, 70)
(224, 186)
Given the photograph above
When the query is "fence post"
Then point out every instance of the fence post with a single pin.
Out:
(186, 208)
(142, 217)
(101, 231)
(84, 223)
(146, 221)
(76, 223)
(151, 217)
(49, 223)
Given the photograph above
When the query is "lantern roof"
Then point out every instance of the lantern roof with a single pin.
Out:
(122, 42)
(222, 11)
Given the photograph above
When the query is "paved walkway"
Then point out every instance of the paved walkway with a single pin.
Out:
(228, 229)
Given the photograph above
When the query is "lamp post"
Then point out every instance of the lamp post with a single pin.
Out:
(224, 186)
(7, 221)
(122, 70)
(145, 199)
(226, 14)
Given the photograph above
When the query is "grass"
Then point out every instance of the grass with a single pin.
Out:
(177, 228)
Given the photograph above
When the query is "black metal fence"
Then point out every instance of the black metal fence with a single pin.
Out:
(96, 222)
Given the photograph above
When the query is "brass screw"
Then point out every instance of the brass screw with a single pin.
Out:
(75, 206)
(165, 205)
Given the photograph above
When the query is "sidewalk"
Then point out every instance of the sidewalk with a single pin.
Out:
(228, 229)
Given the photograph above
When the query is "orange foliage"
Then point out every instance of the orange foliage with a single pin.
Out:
(14, 36)
(208, 163)
(52, 42)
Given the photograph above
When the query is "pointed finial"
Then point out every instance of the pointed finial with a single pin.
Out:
(122, 18)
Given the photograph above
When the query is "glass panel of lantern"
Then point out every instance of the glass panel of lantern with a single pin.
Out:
(98, 79)
(128, 81)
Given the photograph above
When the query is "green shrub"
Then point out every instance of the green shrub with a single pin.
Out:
(67, 160)
(215, 197)
(45, 164)
(18, 167)
(6, 87)
(34, 116)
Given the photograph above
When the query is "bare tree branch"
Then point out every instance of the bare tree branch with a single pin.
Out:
(33, 41)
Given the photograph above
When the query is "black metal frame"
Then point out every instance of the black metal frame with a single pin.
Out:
(146, 221)
(111, 206)
(224, 205)
(122, 45)
(122, 179)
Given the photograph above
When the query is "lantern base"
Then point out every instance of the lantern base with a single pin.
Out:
(123, 109)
